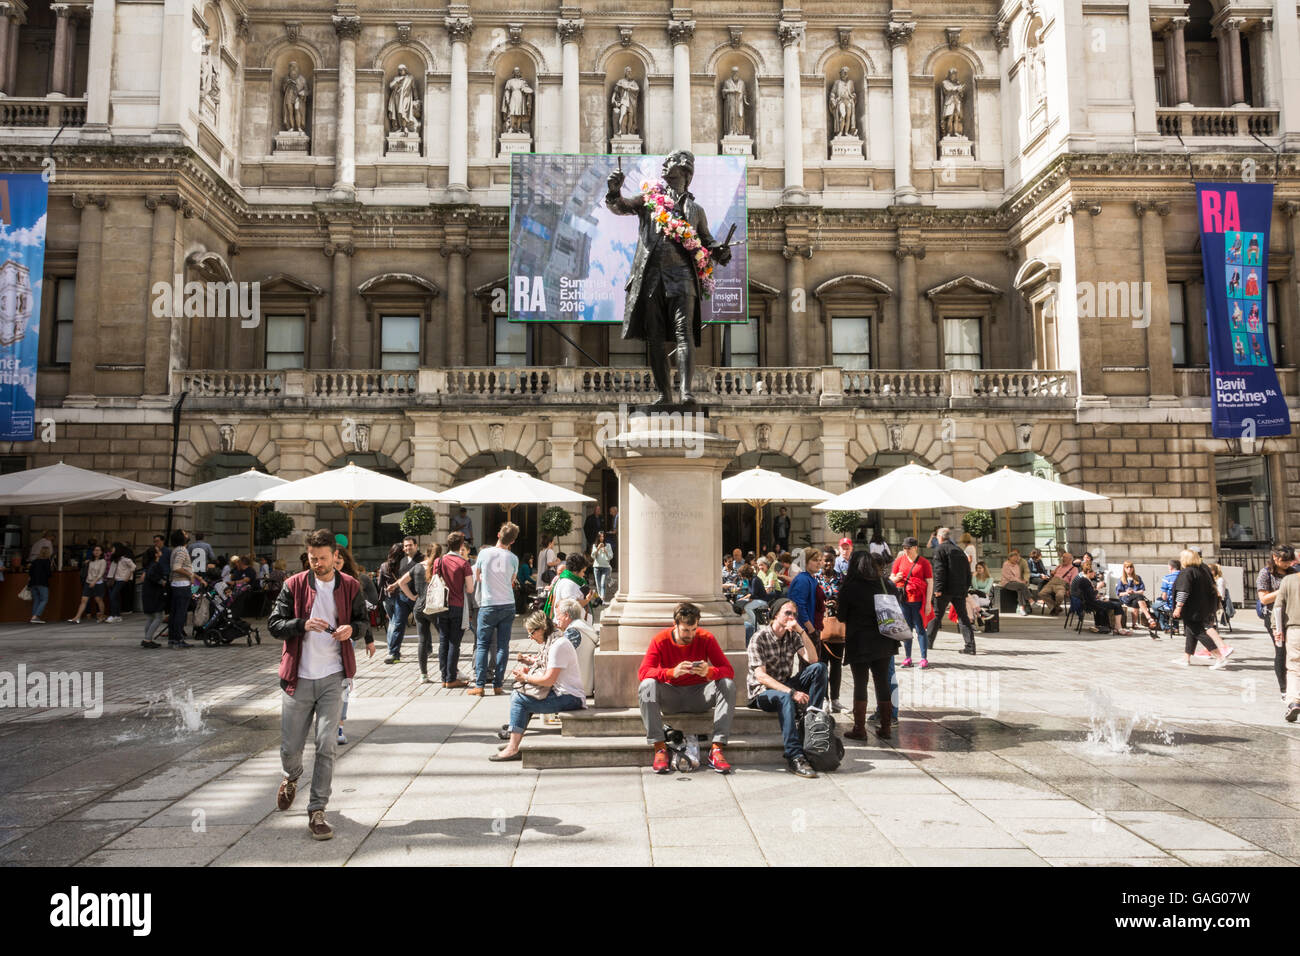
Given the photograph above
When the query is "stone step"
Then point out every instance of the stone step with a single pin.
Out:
(551, 752)
(626, 722)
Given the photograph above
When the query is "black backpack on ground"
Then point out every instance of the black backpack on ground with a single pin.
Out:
(821, 745)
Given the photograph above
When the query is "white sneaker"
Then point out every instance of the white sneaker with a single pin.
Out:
(1220, 664)
(1182, 662)
(1021, 612)
(1229, 652)
(837, 707)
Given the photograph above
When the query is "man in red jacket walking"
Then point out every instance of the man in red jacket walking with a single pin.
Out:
(318, 614)
(685, 671)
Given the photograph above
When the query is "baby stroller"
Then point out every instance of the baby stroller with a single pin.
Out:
(215, 620)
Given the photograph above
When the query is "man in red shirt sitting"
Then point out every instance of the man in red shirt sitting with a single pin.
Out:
(1056, 589)
(685, 671)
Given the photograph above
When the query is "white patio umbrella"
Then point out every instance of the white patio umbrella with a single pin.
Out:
(242, 488)
(758, 487)
(65, 484)
(509, 488)
(350, 487)
(1025, 488)
(912, 488)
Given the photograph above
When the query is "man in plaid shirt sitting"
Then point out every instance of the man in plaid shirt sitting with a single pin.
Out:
(774, 687)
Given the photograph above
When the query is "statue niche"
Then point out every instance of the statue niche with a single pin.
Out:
(625, 114)
(403, 113)
(294, 91)
(954, 110)
(516, 111)
(738, 113)
(843, 103)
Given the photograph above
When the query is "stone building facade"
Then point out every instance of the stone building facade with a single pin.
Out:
(979, 248)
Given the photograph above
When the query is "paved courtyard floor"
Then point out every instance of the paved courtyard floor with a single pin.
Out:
(1047, 748)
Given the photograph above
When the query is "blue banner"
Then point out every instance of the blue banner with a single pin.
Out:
(1245, 398)
(22, 256)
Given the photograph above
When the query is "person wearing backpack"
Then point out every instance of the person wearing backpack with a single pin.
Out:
(772, 684)
(866, 650)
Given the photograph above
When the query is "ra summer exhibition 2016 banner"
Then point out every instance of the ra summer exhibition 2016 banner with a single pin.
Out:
(22, 254)
(1245, 399)
(570, 256)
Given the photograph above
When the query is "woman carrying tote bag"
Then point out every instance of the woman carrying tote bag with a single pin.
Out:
(867, 651)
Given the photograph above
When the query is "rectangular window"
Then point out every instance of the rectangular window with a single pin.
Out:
(64, 309)
(744, 344)
(1245, 501)
(285, 341)
(851, 341)
(624, 353)
(399, 342)
(961, 344)
(1178, 322)
(511, 342)
(1274, 323)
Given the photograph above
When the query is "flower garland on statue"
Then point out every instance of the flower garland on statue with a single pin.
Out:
(662, 214)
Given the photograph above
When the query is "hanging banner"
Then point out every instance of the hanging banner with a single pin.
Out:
(1245, 399)
(22, 256)
(571, 256)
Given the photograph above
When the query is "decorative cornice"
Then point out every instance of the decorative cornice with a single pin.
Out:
(347, 27)
(460, 29)
(681, 31)
(1076, 206)
(902, 252)
(333, 248)
(1141, 207)
(899, 33)
(454, 249)
(791, 32)
(791, 252)
(82, 200)
(570, 30)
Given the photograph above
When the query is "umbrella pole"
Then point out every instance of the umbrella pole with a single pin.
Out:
(1008, 511)
(758, 523)
(60, 561)
(252, 519)
(916, 531)
(352, 506)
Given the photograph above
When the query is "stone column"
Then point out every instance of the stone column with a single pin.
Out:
(59, 77)
(571, 121)
(6, 13)
(1141, 54)
(85, 334)
(174, 79)
(459, 29)
(1236, 84)
(1155, 299)
(158, 365)
(1286, 38)
(341, 251)
(1178, 27)
(99, 79)
(348, 29)
(1225, 66)
(1006, 100)
(899, 34)
(796, 322)
(791, 34)
(11, 56)
(1266, 50)
(681, 33)
(1289, 321)
(909, 326)
(455, 249)
(71, 76)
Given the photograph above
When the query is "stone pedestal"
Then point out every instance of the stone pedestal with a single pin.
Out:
(408, 143)
(626, 144)
(737, 146)
(290, 141)
(846, 147)
(669, 471)
(516, 143)
(956, 147)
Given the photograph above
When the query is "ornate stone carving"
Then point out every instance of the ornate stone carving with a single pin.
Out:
(227, 433)
(899, 33)
(294, 93)
(902, 252)
(347, 27)
(844, 36)
(403, 31)
(627, 93)
(516, 104)
(209, 76)
(953, 35)
(244, 28)
(790, 252)
(1024, 436)
(497, 437)
(292, 30)
(82, 200)
(345, 248)
(570, 31)
(735, 100)
(762, 436)
(681, 31)
(1141, 207)
(953, 97)
(790, 32)
(895, 431)
(460, 29)
(1001, 36)
(361, 437)
(625, 36)
(734, 32)
(515, 32)
(844, 105)
(1291, 208)
(403, 102)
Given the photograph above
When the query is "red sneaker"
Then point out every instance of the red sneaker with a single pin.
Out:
(718, 762)
(661, 760)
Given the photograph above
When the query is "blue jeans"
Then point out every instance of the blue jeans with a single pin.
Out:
(812, 681)
(602, 581)
(912, 615)
(522, 707)
(449, 632)
(402, 607)
(40, 597)
(115, 597)
(180, 609)
(494, 622)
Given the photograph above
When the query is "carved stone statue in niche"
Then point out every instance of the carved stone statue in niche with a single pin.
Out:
(734, 100)
(209, 76)
(844, 105)
(403, 104)
(953, 92)
(627, 92)
(292, 137)
(517, 104)
(1037, 63)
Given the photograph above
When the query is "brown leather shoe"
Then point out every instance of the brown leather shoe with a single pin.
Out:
(457, 683)
(284, 796)
(499, 691)
(475, 692)
(317, 827)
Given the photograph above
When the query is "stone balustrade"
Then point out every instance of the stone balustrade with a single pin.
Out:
(568, 385)
(1243, 122)
(37, 111)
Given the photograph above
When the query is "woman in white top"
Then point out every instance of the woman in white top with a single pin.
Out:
(552, 682)
(968, 545)
(601, 555)
(121, 574)
(547, 559)
(96, 569)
